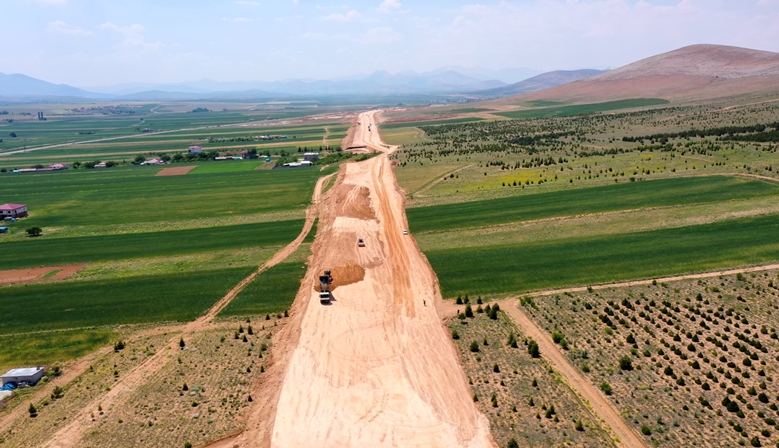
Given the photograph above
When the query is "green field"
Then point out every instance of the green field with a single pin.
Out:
(623, 196)
(49, 347)
(271, 292)
(582, 109)
(227, 166)
(78, 304)
(413, 124)
(136, 194)
(39, 252)
(582, 261)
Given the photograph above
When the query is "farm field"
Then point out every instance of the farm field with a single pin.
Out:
(560, 262)
(274, 290)
(525, 399)
(581, 109)
(157, 249)
(626, 196)
(176, 297)
(687, 363)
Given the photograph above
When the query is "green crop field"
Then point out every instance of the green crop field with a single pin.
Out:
(582, 109)
(271, 292)
(49, 347)
(39, 252)
(623, 196)
(412, 124)
(77, 304)
(581, 261)
(136, 194)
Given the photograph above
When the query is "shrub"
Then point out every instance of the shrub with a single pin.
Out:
(579, 425)
(532, 348)
(474, 347)
(496, 368)
(34, 231)
(32, 410)
(646, 430)
(625, 363)
(468, 311)
(182, 344)
(455, 335)
(512, 444)
(606, 388)
(557, 337)
(512, 342)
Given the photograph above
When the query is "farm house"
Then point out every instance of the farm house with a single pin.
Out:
(29, 375)
(195, 149)
(311, 156)
(13, 211)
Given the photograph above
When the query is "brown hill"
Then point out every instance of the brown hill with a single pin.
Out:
(690, 73)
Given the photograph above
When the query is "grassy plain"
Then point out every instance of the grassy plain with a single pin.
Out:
(590, 260)
(691, 345)
(89, 303)
(136, 195)
(581, 109)
(625, 196)
(46, 348)
(38, 252)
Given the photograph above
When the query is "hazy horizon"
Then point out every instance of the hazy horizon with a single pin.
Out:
(90, 43)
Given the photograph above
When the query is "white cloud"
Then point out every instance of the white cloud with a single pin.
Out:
(52, 2)
(133, 42)
(247, 3)
(348, 17)
(388, 6)
(322, 36)
(60, 27)
(381, 35)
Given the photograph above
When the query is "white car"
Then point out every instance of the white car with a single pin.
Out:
(405, 232)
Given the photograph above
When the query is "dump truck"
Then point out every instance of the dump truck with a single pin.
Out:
(324, 287)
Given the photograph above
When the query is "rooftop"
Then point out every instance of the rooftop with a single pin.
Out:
(11, 206)
(27, 371)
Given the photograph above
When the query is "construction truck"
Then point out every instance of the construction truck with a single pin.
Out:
(324, 287)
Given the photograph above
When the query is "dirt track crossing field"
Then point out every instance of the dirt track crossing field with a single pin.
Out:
(71, 434)
(376, 367)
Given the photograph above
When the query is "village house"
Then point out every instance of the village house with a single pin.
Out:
(13, 211)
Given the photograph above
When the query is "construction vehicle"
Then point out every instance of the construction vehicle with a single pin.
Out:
(360, 242)
(324, 287)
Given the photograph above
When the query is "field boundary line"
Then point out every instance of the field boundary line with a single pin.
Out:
(599, 404)
(646, 282)
(280, 256)
(438, 180)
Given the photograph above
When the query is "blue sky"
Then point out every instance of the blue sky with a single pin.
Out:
(102, 42)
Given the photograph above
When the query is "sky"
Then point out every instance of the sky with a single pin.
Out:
(106, 42)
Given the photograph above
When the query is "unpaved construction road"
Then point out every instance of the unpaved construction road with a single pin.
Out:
(375, 368)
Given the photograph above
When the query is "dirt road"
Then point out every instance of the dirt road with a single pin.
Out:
(598, 402)
(376, 367)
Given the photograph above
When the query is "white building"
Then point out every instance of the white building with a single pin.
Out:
(311, 156)
(30, 375)
(195, 149)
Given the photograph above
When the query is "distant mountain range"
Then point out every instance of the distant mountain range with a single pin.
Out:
(444, 81)
(541, 82)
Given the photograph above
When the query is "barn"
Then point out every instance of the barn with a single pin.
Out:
(30, 375)
(13, 211)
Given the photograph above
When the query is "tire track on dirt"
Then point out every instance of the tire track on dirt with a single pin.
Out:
(597, 402)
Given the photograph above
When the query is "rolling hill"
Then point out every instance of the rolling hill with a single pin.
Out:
(689, 73)
(541, 82)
